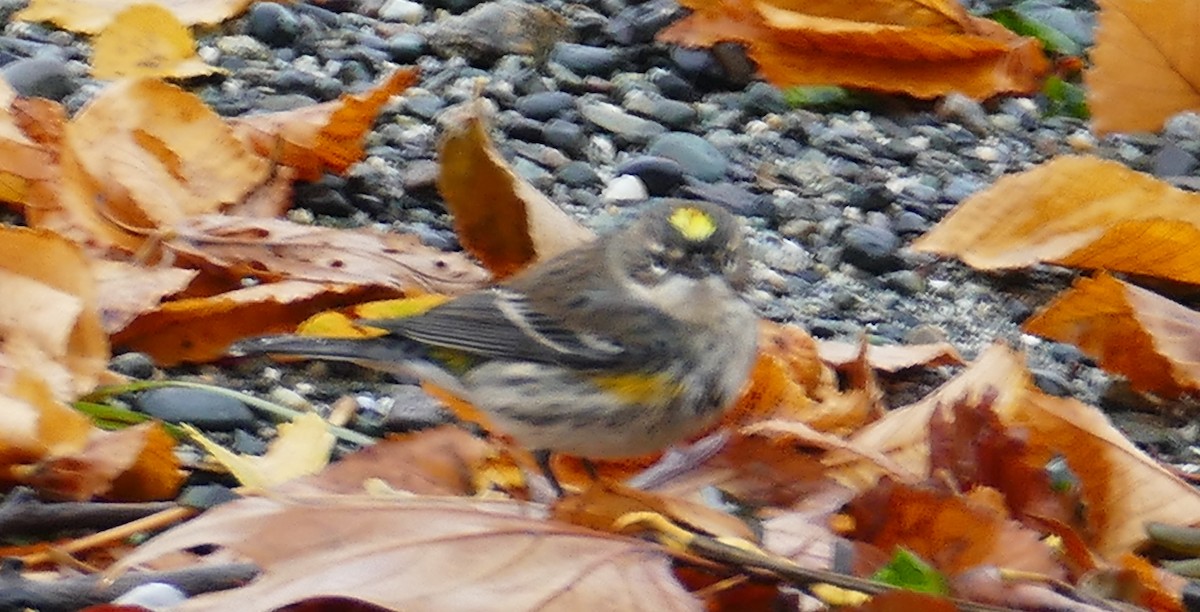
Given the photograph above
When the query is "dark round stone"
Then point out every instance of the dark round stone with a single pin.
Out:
(577, 174)
(871, 248)
(909, 222)
(546, 105)
(523, 128)
(698, 157)
(205, 409)
(762, 98)
(639, 23)
(133, 365)
(673, 86)
(406, 48)
(414, 409)
(660, 175)
(585, 60)
(40, 77)
(323, 197)
(273, 24)
(565, 136)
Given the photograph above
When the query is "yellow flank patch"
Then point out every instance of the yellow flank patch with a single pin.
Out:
(693, 223)
(639, 388)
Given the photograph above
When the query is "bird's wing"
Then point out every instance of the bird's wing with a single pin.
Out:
(498, 323)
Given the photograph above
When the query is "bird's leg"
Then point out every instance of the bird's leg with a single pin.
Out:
(542, 456)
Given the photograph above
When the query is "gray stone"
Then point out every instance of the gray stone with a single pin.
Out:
(672, 113)
(871, 248)
(639, 23)
(499, 28)
(1171, 160)
(402, 11)
(578, 174)
(545, 105)
(273, 24)
(697, 156)
(585, 60)
(133, 365)
(660, 175)
(611, 118)
(413, 409)
(566, 137)
(762, 98)
(406, 47)
(40, 77)
(204, 409)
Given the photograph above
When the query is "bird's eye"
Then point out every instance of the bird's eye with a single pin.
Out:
(658, 264)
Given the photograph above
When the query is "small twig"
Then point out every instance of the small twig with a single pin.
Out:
(22, 513)
(18, 593)
(153, 522)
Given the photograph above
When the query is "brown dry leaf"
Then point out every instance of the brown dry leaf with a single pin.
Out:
(49, 319)
(951, 531)
(1122, 487)
(200, 329)
(322, 137)
(787, 379)
(456, 554)
(90, 16)
(1136, 333)
(133, 464)
(34, 424)
(1144, 67)
(275, 249)
(890, 358)
(302, 448)
(126, 290)
(1075, 211)
(146, 40)
(25, 160)
(499, 217)
(158, 155)
(924, 49)
(440, 461)
(603, 504)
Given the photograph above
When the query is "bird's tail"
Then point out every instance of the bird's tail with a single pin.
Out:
(385, 353)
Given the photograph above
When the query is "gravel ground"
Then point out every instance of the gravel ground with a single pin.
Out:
(596, 115)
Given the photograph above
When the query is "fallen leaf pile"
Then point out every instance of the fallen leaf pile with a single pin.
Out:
(154, 224)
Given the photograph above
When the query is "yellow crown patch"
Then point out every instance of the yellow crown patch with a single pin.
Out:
(693, 223)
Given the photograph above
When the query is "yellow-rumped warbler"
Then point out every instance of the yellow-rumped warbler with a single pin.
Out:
(617, 348)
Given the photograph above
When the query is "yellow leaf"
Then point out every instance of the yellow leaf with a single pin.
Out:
(146, 40)
(302, 448)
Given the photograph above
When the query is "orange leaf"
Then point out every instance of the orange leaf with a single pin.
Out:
(146, 40)
(922, 49)
(1150, 340)
(323, 137)
(500, 218)
(49, 320)
(200, 329)
(1144, 67)
(133, 464)
(1076, 211)
(953, 532)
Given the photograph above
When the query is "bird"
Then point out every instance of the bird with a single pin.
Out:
(620, 347)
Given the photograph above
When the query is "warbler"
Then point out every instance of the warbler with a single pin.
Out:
(617, 348)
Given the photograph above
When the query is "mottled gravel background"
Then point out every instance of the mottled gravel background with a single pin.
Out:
(598, 116)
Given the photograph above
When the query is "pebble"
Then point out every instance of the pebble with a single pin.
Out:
(1183, 126)
(491, 30)
(273, 24)
(871, 248)
(639, 23)
(763, 98)
(732, 196)
(406, 47)
(672, 113)
(204, 409)
(545, 105)
(697, 156)
(402, 11)
(1171, 160)
(624, 188)
(585, 60)
(672, 85)
(661, 176)
(612, 119)
(413, 409)
(40, 77)
(133, 365)
(565, 136)
(578, 174)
